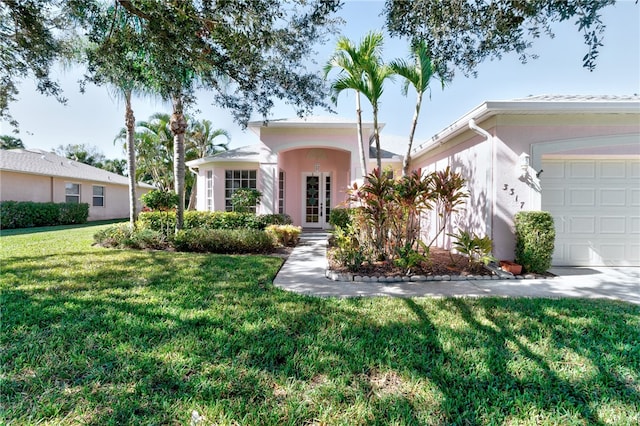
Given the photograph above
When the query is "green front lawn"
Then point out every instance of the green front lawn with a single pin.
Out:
(100, 336)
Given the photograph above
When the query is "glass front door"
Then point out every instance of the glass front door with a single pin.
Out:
(316, 194)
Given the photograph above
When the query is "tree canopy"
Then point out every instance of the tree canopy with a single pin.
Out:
(10, 142)
(32, 38)
(463, 33)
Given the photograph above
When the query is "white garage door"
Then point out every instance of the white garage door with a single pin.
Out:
(595, 204)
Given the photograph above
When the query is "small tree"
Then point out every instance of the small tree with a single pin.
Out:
(162, 201)
(245, 200)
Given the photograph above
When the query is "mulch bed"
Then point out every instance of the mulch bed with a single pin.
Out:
(441, 262)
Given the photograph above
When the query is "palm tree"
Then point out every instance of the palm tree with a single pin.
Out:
(419, 75)
(200, 142)
(154, 148)
(347, 60)
(375, 72)
(178, 125)
(360, 69)
(130, 120)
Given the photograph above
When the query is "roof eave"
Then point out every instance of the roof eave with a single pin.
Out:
(491, 108)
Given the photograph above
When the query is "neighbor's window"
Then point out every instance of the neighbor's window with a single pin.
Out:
(234, 179)
(98, 196)
(72, 192)
(281, 180)
(209, 189)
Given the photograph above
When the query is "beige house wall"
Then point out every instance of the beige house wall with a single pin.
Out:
(38, 188)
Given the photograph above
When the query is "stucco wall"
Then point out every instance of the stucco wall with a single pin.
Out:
(497, 191)
(472, 158)
(23, 187)
(296, 162)
(27, 187)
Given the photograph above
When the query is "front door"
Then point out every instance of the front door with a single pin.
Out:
(316, 200)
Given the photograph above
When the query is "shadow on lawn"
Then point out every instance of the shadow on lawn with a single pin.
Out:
(153, 338)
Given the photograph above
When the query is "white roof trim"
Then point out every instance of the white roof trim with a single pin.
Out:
(532, 107)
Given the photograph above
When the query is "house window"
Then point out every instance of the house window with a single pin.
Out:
(98, 196)
(281, 179)
(72, 192)
(209, 189)
(234, 179)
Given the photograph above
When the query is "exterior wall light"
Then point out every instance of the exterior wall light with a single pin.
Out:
(523, 165)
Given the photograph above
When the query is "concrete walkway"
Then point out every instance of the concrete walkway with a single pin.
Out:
(304, 273)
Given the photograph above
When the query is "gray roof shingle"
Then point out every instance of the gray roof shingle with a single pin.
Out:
(39, 162)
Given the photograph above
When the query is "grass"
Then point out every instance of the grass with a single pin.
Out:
(99, 336)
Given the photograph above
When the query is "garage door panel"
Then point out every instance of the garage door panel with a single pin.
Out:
(554, 170)
(582, 197)
(582, 225)
(612, 170)
(596, 210)
(634, 197)
(612, 224)
(582, 169)
(613, 197)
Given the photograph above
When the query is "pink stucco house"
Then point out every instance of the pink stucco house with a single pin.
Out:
(577, 157)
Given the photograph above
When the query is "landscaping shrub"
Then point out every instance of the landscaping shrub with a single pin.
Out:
(71, 213)
(245, 200)
(26, 214)
(347, 251)
(340, 218)
(275, 219)
(211, 220)
(284, 235)
(122, 236)
(535, 240)
(223, 241)
(477, 250)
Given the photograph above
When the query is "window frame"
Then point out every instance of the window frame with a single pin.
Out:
(68, 195)
(238, 178)
(282, 189)
(208, 188)
(101, 197)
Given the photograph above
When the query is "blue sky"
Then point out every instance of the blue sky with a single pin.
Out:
(94, 118)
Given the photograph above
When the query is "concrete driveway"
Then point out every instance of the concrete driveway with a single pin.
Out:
(304, 273)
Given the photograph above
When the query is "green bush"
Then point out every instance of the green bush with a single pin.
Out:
(71, 213)
(340, 218)
(284, 235)
(245, 200)
(223, 241)
(27, 214)
(211, 220)
(275, 219)
(535, 240)
(160, 200)
(477, 250)
(122, 236)
(347, 251)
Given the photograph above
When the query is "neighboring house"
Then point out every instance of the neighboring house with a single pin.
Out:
(40, 176)
(577, 157)
(303, 167)
(588, 147)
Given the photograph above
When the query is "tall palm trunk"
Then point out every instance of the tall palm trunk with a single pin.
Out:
(193, 196)
(414, 124)
(130, 122)
(363, 159)
(178, 128)
(376, 136)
